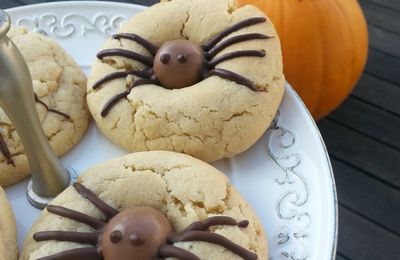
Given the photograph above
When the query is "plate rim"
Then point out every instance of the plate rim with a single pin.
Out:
(287, 88)
(330, 169)
(85, 3)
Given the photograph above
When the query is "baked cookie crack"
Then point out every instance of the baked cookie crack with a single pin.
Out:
(181, 32)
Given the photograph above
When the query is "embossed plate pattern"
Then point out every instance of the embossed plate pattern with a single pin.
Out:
(286, 176)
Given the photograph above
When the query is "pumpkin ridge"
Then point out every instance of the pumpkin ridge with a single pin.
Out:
(320, 39)
(323, 107)
(353, 80)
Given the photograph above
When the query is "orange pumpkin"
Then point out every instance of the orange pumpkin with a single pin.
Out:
(324, 45)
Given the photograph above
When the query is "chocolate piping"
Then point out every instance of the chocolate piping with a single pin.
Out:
(113, 101)
(233, 40)
(75, 215)
(51, 109)
(236, 54)
(107, 210)
(140, 82)
(127, 54)
(245, 23)
(173, 251)
(229, 75)
(216, 221)
(4, 150)
(214, 238)
(77, 237)
(87, 253)
(134, 37)
(122, 74)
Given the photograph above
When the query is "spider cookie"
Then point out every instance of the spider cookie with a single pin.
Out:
(148, 205)
(59, 87)
(8, 231)
(201, 77)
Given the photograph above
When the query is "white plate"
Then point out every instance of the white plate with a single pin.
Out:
(286, 176)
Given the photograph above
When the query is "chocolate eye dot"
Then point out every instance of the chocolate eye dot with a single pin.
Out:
(165, 58)
(136, 240)
(181, 58)
(243, 224)
(115, 236)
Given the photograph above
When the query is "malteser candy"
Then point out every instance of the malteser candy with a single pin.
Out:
(135, 233)
(179, 64)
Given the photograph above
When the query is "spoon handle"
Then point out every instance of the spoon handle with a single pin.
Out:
(49, 177)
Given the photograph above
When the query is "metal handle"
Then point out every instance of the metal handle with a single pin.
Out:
(49, 177)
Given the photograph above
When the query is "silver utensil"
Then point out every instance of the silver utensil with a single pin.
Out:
(49, 177)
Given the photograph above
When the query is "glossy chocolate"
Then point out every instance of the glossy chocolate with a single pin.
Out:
(232, 76)
(240, 25)
(107, 210)
(122, 74)
(178, 64)
(148, 61)
(91, 238)
(216, 221)
(234, 40)
(141, 231)
(234, 55)
(140, 40)
(77, 216)
(179, 253)
(113, 101)
(86, 253)
(216, 239)
(118, 97)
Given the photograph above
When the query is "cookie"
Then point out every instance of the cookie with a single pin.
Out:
(59, 87)
(206, 83)
(8, 230)
(185, 201)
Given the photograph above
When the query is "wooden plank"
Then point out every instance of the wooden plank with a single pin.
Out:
(369, 120)
(379, 93)
(384, 66)
(360, 239)
(4, 4)
(368, 155)
(365, 195)
(145, 2)
(384, 40)
(382, 16)
(339, 256)
(391, 4)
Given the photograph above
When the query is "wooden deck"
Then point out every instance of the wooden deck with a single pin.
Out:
(363, 139)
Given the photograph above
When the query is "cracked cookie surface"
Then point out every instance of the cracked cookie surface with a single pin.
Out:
(183, 188)
(59, 85)
(8, 230)
(213, 119)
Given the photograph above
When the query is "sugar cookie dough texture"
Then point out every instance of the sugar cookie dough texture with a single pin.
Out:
(183, 188)
(213, 119)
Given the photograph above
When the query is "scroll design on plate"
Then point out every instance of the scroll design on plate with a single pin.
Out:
(290, 207)
(73, 24)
